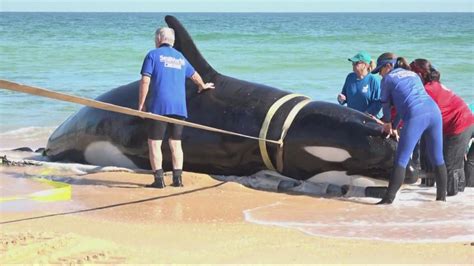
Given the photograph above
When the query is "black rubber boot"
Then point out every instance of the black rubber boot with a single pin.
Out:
(441, 180)
(452, 184)
(177, 179)
(469, 168)
(394, 184)
(461, 179)
(159, 182)
(428, 180)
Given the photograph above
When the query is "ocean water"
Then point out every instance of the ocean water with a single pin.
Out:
(87, 54)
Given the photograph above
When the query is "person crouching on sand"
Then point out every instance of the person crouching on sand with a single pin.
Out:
(420, 115)
(166, 69)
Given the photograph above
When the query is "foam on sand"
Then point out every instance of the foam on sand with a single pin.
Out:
(414, 217)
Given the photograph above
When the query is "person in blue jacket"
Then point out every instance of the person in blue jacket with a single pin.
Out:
(420, 114)
(361, 90)
(164, 72)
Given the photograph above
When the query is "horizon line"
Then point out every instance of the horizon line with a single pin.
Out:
(206, 12)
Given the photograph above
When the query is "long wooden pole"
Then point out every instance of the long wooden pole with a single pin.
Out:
(5, 84)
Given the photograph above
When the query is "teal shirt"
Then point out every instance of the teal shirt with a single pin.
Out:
(363, 94)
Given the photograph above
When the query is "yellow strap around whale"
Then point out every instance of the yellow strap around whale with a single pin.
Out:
(286, 125)
(266, 124)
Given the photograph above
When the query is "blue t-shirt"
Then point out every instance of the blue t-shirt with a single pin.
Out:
(404, 89)
(168, 70)
(363, 94)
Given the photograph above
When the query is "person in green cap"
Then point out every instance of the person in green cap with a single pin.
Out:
(361, 90)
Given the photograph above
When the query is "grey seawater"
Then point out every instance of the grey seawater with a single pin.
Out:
(87, 54)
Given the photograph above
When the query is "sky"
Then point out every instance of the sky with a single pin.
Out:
(238, 6)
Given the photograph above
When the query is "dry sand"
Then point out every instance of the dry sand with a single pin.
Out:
(112, 218)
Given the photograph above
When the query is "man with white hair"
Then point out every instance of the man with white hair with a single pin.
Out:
(166, 70)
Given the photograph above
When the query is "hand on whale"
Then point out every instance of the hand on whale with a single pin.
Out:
(206, 86)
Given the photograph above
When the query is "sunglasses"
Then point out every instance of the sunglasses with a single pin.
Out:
(356, 63)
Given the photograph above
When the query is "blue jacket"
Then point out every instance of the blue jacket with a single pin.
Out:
(404, 89)
(168, 69)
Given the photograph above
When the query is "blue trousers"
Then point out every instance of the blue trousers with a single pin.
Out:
(428, 122)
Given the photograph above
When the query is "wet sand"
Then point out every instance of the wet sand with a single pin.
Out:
(112, 218)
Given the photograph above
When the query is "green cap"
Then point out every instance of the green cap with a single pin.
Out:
(361, 56)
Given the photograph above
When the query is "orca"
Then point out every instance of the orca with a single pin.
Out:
(317, 137)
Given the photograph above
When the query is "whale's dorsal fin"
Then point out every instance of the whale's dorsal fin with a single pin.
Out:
(184, 43)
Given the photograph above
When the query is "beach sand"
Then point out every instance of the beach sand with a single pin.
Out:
(112, 218)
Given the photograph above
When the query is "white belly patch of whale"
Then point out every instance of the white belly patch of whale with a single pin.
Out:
(341, 178)
(104, 153)
(331, 154)
(328, 154)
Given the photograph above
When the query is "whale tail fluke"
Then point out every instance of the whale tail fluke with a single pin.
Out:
(185, 44)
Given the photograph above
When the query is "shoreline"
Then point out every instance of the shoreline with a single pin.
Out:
(112, 218)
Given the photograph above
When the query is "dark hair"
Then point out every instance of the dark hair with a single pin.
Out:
(372, 65)
(400, 61)
(425, 70)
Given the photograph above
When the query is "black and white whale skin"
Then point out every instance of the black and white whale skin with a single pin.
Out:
(324, 138)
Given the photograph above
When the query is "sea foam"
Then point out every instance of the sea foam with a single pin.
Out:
(415, 216)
